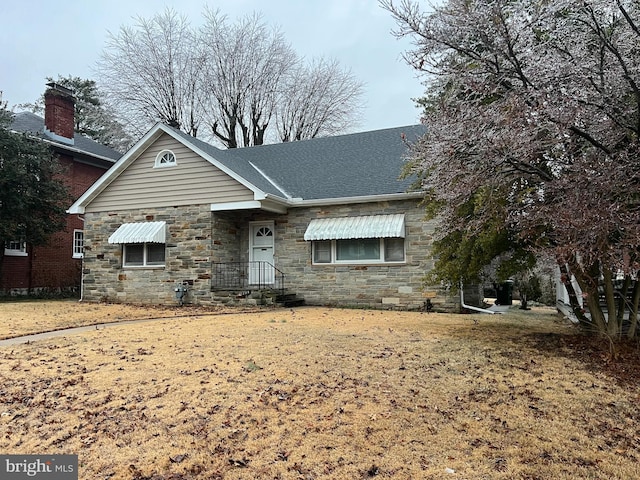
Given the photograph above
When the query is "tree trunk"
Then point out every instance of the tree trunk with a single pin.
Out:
(565, 277)
(613, 328)
(588, 281)
(523, 301)
(598, 319)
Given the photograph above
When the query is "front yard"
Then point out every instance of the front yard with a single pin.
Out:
(315, 393)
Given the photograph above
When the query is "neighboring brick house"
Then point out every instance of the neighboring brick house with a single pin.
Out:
(327, 219)
(57, 265)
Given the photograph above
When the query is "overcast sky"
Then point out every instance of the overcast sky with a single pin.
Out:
(41, 38)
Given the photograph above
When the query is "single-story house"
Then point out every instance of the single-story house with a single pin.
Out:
(57, 265)
(328, 220)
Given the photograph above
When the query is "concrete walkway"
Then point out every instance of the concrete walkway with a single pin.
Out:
(71, 331)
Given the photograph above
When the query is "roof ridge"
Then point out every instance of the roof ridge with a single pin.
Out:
(270, 180)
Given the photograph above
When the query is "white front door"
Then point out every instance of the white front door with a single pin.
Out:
(261, 243)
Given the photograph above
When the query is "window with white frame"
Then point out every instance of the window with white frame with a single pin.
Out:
(143, 255)
(362, 239)
(166, 158)
(16, 248)
(78, 244)
(358, 250)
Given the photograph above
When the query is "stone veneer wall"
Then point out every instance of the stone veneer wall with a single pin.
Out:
(355, 285)
(197, 237)
(188, 257)
(384, 286)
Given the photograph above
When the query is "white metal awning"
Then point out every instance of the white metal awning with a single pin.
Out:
(370, 226)
(140, 232)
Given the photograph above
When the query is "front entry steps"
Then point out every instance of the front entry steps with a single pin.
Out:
(257, 297)
(288, 300)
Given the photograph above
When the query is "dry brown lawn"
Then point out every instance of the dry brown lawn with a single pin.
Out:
(27, 317)
(315, 393)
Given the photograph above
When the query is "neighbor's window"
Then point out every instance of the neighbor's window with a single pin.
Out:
(165, 158)
(359, 250)
(78, 244)
(143, 255)
(16, 248)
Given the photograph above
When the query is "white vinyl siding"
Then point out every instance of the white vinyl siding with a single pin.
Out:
(193, 181)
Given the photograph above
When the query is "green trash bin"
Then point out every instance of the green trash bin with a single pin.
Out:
(504, 293)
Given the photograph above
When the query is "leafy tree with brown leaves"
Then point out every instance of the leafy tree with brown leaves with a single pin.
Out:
(538, 102)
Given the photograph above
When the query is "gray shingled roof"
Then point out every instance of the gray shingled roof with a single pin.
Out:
(27, 122)
(237, 165)
(354, 165)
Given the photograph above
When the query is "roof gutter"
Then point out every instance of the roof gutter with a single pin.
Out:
(64, 146)
(315, 202)
(280, 205)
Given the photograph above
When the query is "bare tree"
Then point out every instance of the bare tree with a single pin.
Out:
(319, 99)
(151, 72)
(234, 78)
(245, 64)
(533, 114)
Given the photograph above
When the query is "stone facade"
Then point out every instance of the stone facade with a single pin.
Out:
(198, 237)
(391, 285)
(187, 257)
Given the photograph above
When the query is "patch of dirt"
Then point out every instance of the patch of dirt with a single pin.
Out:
(620, 360)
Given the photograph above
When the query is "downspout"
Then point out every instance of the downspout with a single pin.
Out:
(471, 307)
(81, 279)
(82, 263)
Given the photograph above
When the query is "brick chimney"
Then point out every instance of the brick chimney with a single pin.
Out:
(59, 113)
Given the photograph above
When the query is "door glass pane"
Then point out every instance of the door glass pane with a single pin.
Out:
(394, 249)
(358, 249)
(133, 254)
(263, 236)
(155, 253)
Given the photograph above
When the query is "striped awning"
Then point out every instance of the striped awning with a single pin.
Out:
(140, 232)
(370, 226)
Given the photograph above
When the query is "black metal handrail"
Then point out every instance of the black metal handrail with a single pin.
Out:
(246, 276)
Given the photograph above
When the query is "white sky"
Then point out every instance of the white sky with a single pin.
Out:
(41, 38)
